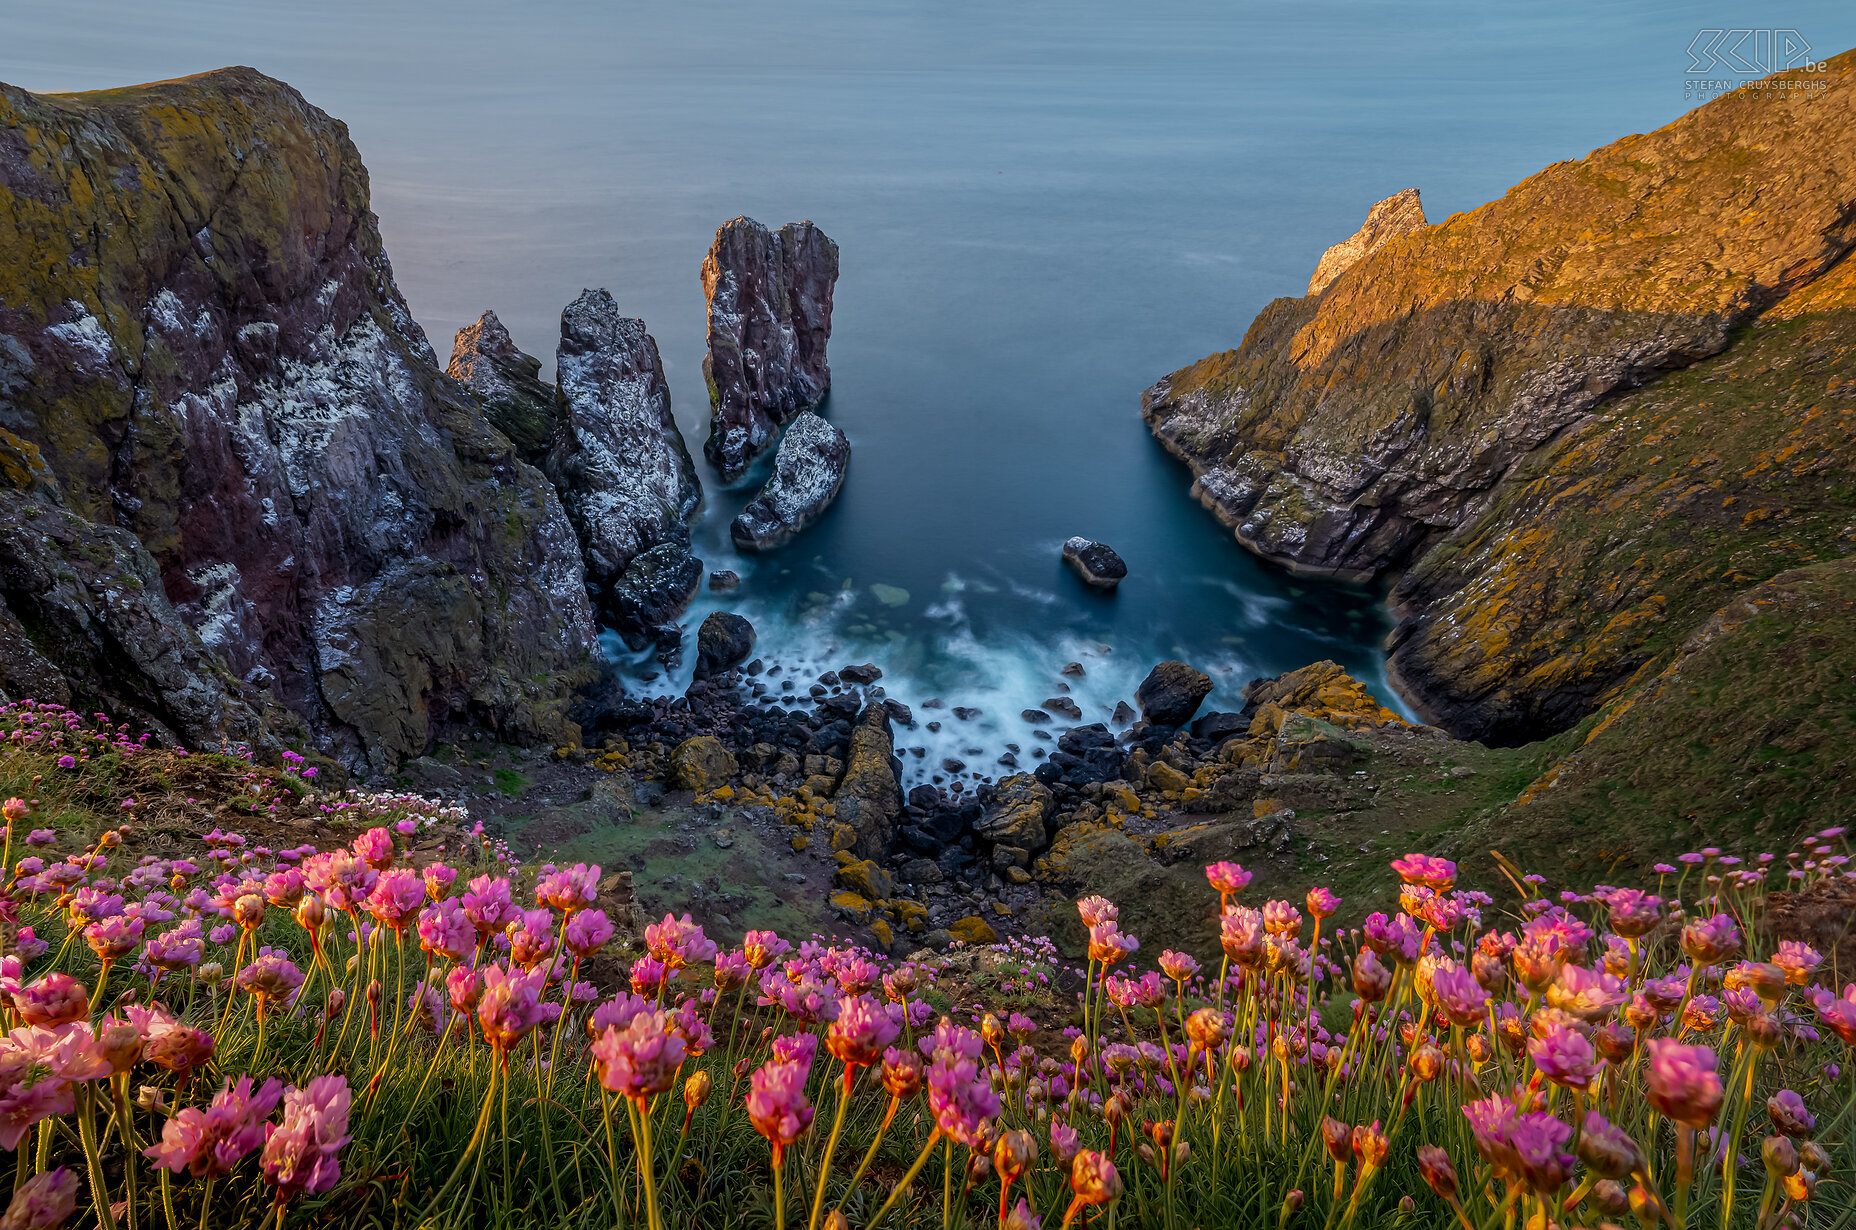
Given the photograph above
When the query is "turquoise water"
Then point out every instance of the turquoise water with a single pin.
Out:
(1041, 207)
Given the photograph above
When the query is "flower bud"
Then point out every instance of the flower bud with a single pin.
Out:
(151, 1098)
(212, 973)
(696, 1089)
(248, 911)
(1645, 1206)
(1013, 1155)
(1338, 1138)
(310, 913)
(120, 1046)
(1407, 1205)
(836, 1220)
(1812, 1156)
(1780, 1156)
(1611, 1197)
(1426, 1061)
(1800, 1185)
(1292, 1203)
(1438, 1174)
(992, 1031)
(338, 999)
(1093, 1178)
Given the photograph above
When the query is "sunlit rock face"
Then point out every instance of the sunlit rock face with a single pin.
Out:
(201, 345)
(769, 296)
(1398, 215)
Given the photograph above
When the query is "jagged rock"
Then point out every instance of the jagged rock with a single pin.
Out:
(724, 640)
(869, 798)
(1393, 218)
(808, 471)
(1123, 713)
(1074, 670)
(1095, 562)
(653, 590)
(701, 763)
(1021, 804)
(1324, 691)
(517, 401)
(625, 478)
(229, 374)
(769, 295)
(1172, 693)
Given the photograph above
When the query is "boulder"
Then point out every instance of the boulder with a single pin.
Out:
(1065, 706)
(1020, 806)
(1217, 727)
(724, 578)
(652, 592)
(769, 296)
(516, 400)
(869, 798)
(701, 763)
(1172, 693)
(867, 879)
(868, 673)
(724, 640)
(972, 930)
(624, 475)
(808, 471)
(1095, 562)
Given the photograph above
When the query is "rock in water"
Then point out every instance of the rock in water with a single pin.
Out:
(724, 640)
(226, 378)
(769, 296)
(1095, 562)
(1398, 215)
(518, 402)
(653, 590)
(808, 471)
(1171, 693)
(625, 477)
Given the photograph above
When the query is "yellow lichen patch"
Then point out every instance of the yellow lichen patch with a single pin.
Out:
(855, 907)
(799, 841)
(911, 916)
(880, 929)
(973, 930)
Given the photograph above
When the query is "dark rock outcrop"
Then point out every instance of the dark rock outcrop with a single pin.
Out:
(1020, 806)
(652, 592)
(517, 401)
(869, 798)
(201, 346)
(625, 477)
(725, 640)
(1095, 562)
(808, 471)
(1172, 693)
(769, 295)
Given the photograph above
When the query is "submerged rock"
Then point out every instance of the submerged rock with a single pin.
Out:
(769, 295)
(1095, 562)
(1398, 215)
(517, 401)
(1172, 693)
(808, 471)
(724, 640)
(625, 477)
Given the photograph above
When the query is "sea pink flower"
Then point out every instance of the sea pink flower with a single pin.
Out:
(1684, 1082)
(44, 1201)
(1537, 1140)
(1588, 994)
(1240, 933)
(1062, 1140)
(1108, 945)
(1093, 1178)
(284, 887)
(777, 1104)
(1789, 1115)
(1607, 1148)
(510, 1005)
(115, 937)
(648, 976)
(461, 988)
(531, 938)
(571, 889)
(1565, 1057)
(1178, 965)
(488, 906)
(1839, 1014)
(1281, 918)
(299, 1153)
(208, 1143)
(617, 1012)
(763, 948)
(1798, 961)
(438, 879)
(375, 848)
(398, 894)
(731, 971)
(1321, 903)
(52, 1000)
(587, 932)
(1435, 873)
(176, 949)
(951, 1041)
(1710, 941)
(1458, 994)
(961, 1100)
(1634, 912)
(678, 942)
(642, 1059)
(861, 1032)
(444, 931)
(1227, 878)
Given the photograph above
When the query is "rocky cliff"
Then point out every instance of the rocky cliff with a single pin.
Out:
(266, 494)
(769, 296)
(1578, 420)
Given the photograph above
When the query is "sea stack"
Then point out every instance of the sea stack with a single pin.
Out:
(808, 471)
(769, 295)
(625, 477)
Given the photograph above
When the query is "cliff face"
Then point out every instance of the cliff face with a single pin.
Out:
(1488, 405)
(769, 296)
(203, 357)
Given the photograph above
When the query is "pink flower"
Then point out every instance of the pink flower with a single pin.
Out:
(1684, 1082)
(444, 931)
(207, 1144)
(1537, 1140)
(510, 1005)
(438, 880)
(461, 988)
(587, 932)
(44, 1201)
(1432, 872)
(1108, 945)
(178, 948)
(796, 1049)
(641, 1059)
(731, 971)
(570, 890)
(1321, 903)
(1459, 995)
(777, 1104)
(1094, 911)
(271, 976)
(1789, 1115)
(375, 848)
(861, 1032)
(961, 1100)
(1711, 941)
(1839, 1014)
(487, 905)
(1588, 994)
(283, 888)
(1178, 966)
(1281, 918)
(1062, 1140)
(678, 942)
(648, 976)
(1634, 912)
(299, 1153)
(531, 938)
(397, 896)
(1227, 878)
(1565, 1057)
(763, 948)
(1797, 960)
(52, 1000)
